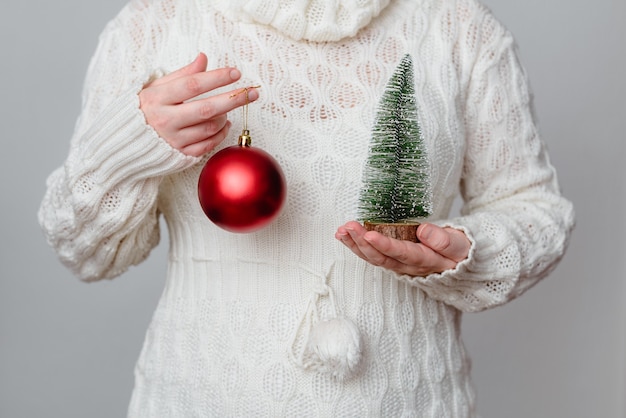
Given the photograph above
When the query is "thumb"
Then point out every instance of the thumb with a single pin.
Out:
(198, 65)
(449, 242)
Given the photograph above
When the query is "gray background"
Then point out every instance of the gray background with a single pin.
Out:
(67, 349)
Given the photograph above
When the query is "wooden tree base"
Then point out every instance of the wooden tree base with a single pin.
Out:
(404, 231)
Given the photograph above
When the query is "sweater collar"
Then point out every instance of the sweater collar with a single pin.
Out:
(311, 20)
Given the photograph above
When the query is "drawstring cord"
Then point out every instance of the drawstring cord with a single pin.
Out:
(331, 346)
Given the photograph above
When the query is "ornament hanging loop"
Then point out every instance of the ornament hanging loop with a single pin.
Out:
(245, 140)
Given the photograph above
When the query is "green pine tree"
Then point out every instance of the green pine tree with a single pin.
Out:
(396, 178)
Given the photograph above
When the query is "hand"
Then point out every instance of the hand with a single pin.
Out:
(439, 248)
(194, 127)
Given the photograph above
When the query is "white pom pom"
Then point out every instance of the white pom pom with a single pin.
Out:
(334, 347)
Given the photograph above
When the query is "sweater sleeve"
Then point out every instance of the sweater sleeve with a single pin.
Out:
(514, 215)
(99, 211)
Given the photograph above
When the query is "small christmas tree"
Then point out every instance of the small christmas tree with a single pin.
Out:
(397, 176)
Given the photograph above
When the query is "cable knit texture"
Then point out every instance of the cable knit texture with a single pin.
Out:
(236, 307)
(313, 20)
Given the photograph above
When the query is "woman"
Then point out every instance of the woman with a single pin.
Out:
(288, 320)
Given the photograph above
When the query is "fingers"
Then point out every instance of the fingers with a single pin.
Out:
(404, 257)
(449, 242)
(345, 235)
(185, 84)
(379, 250)
(198, 65)
(198, 111)
(203, 120)
(200, 132)
(193, 126)
(199, 148)
(187, 87)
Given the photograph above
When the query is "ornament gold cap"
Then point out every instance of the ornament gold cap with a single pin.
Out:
(245, 140)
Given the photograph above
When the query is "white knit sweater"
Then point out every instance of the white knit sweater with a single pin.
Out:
(227, 337)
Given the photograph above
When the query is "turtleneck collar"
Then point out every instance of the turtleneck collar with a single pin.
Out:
(311, 20)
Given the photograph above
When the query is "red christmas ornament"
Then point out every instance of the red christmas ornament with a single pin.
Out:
(241, 189)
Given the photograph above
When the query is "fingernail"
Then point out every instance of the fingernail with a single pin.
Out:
(367, 238)
(235, 74)
(425, 232)
(253, 94)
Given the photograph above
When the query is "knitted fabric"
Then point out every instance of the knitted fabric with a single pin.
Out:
(222, 339)
(313, 20)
